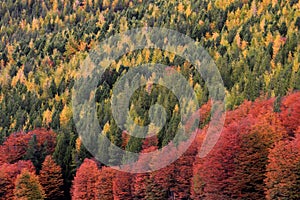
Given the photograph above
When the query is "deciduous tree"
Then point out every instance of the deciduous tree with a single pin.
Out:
(85, 181)
(27, 186)
(51, 179)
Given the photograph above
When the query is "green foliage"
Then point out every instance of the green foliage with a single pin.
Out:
(255, 45)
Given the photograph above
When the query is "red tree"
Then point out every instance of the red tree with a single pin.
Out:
(141, 181)
(197, 183)
(85, 181)
(283, 171)
(105, 184)
(15, 146)
(248, 178)
(122, 186)
(27, 186)
(218, 166)
(183, 172)
(51, 179)
(8, 174)
(290, 112)
(236, 166)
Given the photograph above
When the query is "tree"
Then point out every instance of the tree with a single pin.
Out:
(183, 172)
(122, 186)
(32, 152)
(141, 180)
(17, 144)
(85, 181)
(283, 171)
(254, 143)
(105, 184)
(27, 186)
(51, 179)
(290, 112)
(8, 174)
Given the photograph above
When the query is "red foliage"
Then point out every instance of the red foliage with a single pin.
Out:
(122, 188)
(161, 181)
(290, 112)
(248, 179)
(105, 184)
(14, 148)
(197, 184)
(218, 166)
(239, 158)
(125, 139)
(8, 174)
(283, 170)
(51, 179)
(183, 172)
(141, 181)
(85, 181)
(204, 112)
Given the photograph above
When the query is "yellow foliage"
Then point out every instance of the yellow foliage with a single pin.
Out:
(101, 20)
(188, 11)
(19, 77)
(146, 53)
(207, 35)
(78, 144)
(209, 6)
(215, 35)
(106, 3)
(180, 8)
(191, 81)
(274, 3)
(47, 117)
(106, 128)
(123, 24)
(244, 45)
(23, 24)
(263, 5)
(55, 5)
(139, 59)
(13, 124)
(269, 39)
(65, 115)
(155, 12)
(277, 44)
(176, 109)
(296, 65)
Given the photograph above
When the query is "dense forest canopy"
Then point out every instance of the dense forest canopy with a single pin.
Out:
(255, 45)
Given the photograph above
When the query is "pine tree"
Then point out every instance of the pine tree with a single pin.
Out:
(32, 152)
(51, 179)
(27, 186)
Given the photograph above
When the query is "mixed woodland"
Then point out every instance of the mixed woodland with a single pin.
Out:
(255, 45)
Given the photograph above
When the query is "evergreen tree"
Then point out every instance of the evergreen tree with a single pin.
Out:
(33, 153)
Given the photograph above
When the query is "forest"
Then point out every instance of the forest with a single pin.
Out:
(255, 45)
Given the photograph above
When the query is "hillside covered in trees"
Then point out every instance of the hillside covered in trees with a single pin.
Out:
(255, 45)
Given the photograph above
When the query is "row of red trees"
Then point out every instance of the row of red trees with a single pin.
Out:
(19, 181)
(256, 157)
(18, 178)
